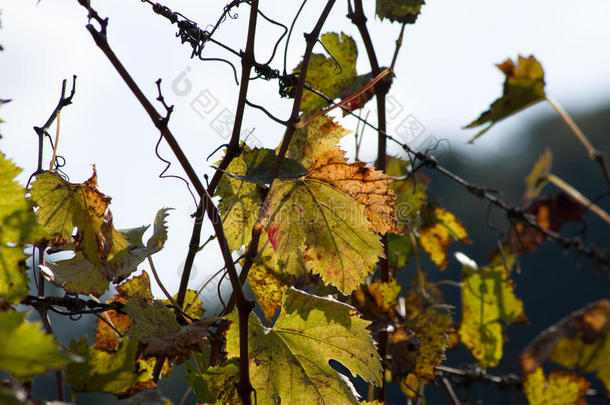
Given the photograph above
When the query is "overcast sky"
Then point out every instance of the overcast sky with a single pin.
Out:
(445, 78)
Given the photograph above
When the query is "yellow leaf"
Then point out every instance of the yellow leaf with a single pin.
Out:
(64, 206)
(488, 303)
(523, 86)
(435, 239)
(365, 184)
(561, 388)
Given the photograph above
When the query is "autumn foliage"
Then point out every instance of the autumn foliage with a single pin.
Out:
(319, 237)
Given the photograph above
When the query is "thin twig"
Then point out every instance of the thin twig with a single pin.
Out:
(593, 153)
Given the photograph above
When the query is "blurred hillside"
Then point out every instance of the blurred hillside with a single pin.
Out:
(551, 283)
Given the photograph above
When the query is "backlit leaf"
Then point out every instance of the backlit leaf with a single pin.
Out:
(324, 74)
(488, 303)
(193, 306)
(365, 184)
(222, 380)
(377, 301)
(537, 177)
(112, 372)
(431, 327)
(315, 139)
(311, 221)
(79, 275)
(551, 212)
(156, 327)
(290, 361)
(18, 227)
(404, 11)
(436, 237)
(25, 349)
(64, 206)
(523, 86)
(268, 283)
(561, 388)
(580, 341)
(240, 203)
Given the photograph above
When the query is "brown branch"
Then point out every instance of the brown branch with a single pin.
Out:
(233, 149)
(243, 305)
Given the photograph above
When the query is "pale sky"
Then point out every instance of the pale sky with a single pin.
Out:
(445, 78)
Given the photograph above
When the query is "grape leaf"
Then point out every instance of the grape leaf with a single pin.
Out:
(240, 203)
(431, 327)
(311, 221)
(523, 86)
(64, 206)
(551, 212)
(193, 304)
(315, 139)
(537, 177)
(79, 275)
(365, 184)
(290, 362)
(155, 326)
(404, 11)
(260, 162)
(18, 226)
(268, 283)
(418, 348)
(195, 373)
(112, 372)
(488, 303)
(439, 233)
(561, 388)
(26, 350)
(325, 75)
(579, 341)
(377, 301)
(222, 380)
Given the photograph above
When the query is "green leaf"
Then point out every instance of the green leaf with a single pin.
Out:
(18, 227)
(25, 350)
(195, 305)
(404, 11)
(523, 86)
(222, 380)
(64, 206)
(561, 388)
(240, 203)
(111, 372)
(488, 303)
(290, 362)
(196, 378)
(79, 275)
(259, 167)
(324, 74)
